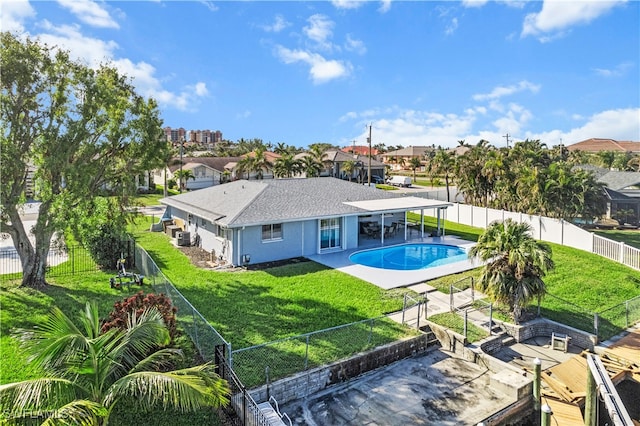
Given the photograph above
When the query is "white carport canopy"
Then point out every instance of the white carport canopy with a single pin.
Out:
(403, 204)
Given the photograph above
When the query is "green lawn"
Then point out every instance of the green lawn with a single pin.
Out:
(254, 307)
(629, 237)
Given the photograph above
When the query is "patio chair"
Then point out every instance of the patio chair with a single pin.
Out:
(389, 231)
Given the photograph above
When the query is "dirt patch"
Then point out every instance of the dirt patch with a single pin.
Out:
(203, 259)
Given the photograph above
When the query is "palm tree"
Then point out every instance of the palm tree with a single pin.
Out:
(516, 264)
(348, 167)
(87, 372)
(286, 166)
(414, 164)
(311, 165)
(444, 163)
(183, 175)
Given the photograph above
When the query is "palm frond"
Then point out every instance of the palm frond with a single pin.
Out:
(77, 413)
(37, 395)
(158, 360)
(185, 390)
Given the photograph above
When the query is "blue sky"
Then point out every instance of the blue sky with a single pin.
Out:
(418, 72)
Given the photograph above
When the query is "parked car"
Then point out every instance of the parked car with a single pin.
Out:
(377, 179)
(404, 181)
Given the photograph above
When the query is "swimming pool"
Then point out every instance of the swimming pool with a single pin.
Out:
(409, 257)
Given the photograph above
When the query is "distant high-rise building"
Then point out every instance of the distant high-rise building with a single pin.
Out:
(207, 138)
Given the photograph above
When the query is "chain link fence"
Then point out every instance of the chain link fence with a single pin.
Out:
(203, 335)
(604, 324)
(262, 364)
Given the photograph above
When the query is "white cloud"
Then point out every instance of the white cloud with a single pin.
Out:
(320, 29)
(209, 5)
(354, 45)
(244, 114)
(501, 91)
(617, 71)
(558, 16)
(452, 27)
(347, 4)
(619, 124)
(13, 14)
(94, 52)
(474, 3)
(279, 24)
(321, 70)
(385, 6)
(90, 13)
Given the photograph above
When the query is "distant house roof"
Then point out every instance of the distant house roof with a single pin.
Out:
(270, 156)
(215, 163)
(359, 149)
(341, 157)
(597, 145)
(618, 181)
(246, 203)
(412, 151)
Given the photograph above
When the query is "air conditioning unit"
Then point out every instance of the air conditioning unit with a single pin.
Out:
(183, 238)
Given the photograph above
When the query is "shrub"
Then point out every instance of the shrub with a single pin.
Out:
(138, 303)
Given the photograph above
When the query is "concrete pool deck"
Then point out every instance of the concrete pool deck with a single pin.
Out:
(389, 278)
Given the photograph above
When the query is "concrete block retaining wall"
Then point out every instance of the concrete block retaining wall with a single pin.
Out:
(316, 379)
(544, 327)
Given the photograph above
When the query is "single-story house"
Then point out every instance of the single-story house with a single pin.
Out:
(207, 171)
(400, 158)
(247, 222)
(334, 166)
(623, 195)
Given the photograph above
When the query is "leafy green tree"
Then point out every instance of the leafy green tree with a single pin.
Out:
(516, 264)
(82, 132)
(88, 372)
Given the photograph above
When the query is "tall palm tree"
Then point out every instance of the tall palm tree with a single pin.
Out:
(516, 264)
(415, 163)
(444, 163)
(87, 373)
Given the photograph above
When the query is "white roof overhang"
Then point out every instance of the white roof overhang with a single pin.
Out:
(398, 204)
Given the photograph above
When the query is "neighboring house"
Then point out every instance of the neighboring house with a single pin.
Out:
(622, 190)
(597, 145)
(208, 171)
(360, 150)
(400, 158)
(247, 222)
(623, 195)
(334, 166)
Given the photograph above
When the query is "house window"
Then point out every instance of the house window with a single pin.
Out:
(272, 232)
(330, 233)
(203, 223)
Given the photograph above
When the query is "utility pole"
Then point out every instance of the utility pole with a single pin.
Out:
(369, 168)
(180, 180)
(507, 137)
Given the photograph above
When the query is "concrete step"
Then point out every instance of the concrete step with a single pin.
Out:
(508, 341)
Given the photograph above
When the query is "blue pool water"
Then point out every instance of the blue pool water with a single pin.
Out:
(408, 257)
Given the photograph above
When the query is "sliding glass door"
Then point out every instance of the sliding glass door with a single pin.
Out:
(330, 233)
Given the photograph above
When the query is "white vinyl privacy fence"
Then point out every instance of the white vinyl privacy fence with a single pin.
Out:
(546, 229)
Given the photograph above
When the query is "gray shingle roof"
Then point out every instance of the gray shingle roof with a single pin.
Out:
(245, 203)
(620, 180)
